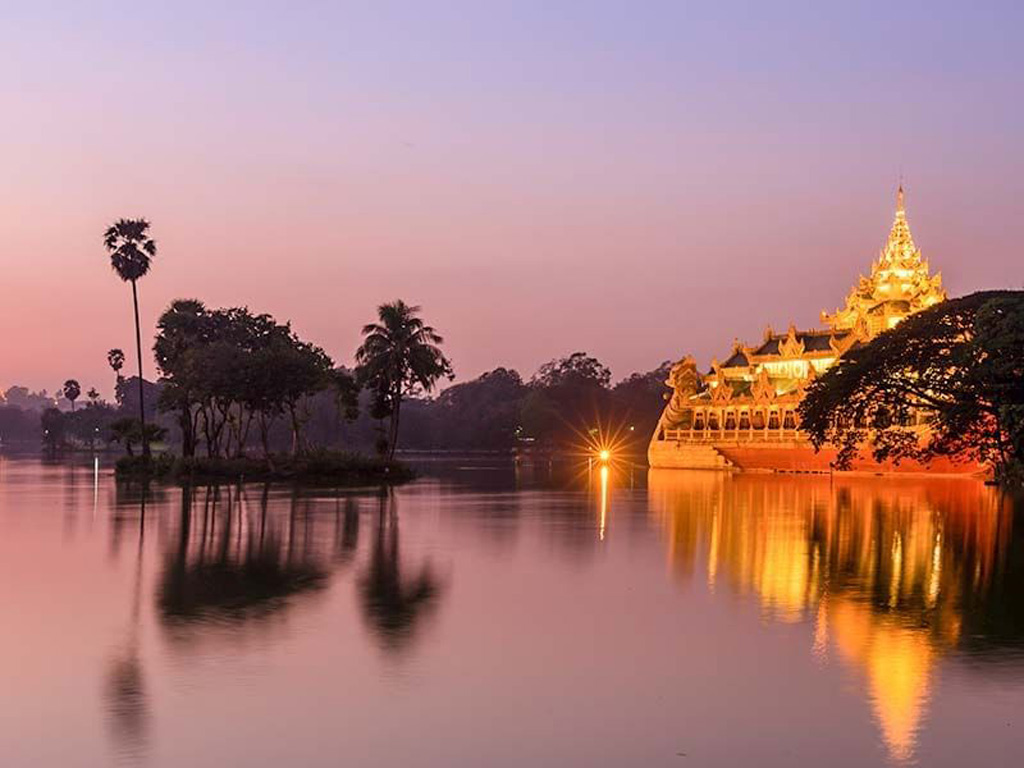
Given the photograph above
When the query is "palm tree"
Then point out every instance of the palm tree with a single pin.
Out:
(400, 356)
(131, 251)
(115, 358)
(72, 389)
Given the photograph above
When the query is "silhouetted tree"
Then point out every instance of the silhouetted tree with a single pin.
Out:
(90, 424)
(131, 252)
(129, 432)
(567, 398)
(18, 424)
(181, 330)
(577, 371)
(637, 402)
(480, 414)
(223, 369)
(115, 358)
(93, 395)
(301, 369)
(54, 426)
(21, 397)
(400, 356)
(72, 390)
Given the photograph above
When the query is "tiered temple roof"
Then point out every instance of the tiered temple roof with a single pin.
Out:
(899, 284)
(779, 368)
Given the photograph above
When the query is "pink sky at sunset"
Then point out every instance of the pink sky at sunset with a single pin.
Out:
(637, 183)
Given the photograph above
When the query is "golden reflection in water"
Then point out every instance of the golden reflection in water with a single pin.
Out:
(882, 566)
(604, 502)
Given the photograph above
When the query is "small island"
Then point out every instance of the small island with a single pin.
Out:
(319, 467)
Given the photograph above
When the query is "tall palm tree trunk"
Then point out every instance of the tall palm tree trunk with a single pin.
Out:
(142, 390)
(394, 426)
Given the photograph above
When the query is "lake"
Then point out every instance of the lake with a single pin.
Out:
(492, 616)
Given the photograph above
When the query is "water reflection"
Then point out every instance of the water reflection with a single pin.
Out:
(394, 603)
(894, 574)
(236, 557)
(127, 705)
(347, 530)
(129, 510)
(233, 565)
(125, 692)
(798, 621)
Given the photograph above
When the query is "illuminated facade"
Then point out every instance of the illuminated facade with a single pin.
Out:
(742, 414)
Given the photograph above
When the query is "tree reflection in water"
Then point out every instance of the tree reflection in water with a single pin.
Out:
(347, 530)
(127, 705)
(235, 560)
(894, 574)
(124, 694)
(230, 567)
(394, 604)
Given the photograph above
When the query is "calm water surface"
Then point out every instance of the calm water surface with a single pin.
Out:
(484, 616)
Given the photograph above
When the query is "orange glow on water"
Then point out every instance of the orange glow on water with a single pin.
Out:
(604, 503)
(818, 551)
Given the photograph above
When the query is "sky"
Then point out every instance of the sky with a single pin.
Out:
(637, 180)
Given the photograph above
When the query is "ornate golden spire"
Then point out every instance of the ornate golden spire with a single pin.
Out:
(900, 247)
(899, 284)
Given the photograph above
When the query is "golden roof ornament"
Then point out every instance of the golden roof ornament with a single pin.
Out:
(899, 283)
(900, 248)
(791, 346)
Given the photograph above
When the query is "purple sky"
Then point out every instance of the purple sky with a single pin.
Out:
(633, 180)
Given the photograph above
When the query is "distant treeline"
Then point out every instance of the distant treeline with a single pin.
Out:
(568, 402)
(561, 405)
(234, 383)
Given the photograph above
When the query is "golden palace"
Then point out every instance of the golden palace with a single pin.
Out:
(743, 413)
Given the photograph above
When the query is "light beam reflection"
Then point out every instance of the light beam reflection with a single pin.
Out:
(604, 502)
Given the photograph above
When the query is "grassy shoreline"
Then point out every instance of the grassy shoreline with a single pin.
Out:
(322, 468)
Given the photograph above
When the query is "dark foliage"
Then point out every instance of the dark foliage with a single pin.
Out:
(131, 252)
(482, 414)
(226, 371)
(26, 400)
(19, 425)
(400, 357)
(71, 390)
(958, 366)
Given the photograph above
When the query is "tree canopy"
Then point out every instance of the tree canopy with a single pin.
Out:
(946, 381)
(131, 248)
(72, 390)
(400, 357)
(223, 369)
(482, 413)
(132, 251)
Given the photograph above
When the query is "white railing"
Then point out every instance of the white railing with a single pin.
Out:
(732, 435)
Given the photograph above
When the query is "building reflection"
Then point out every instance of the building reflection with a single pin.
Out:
(891, 573)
